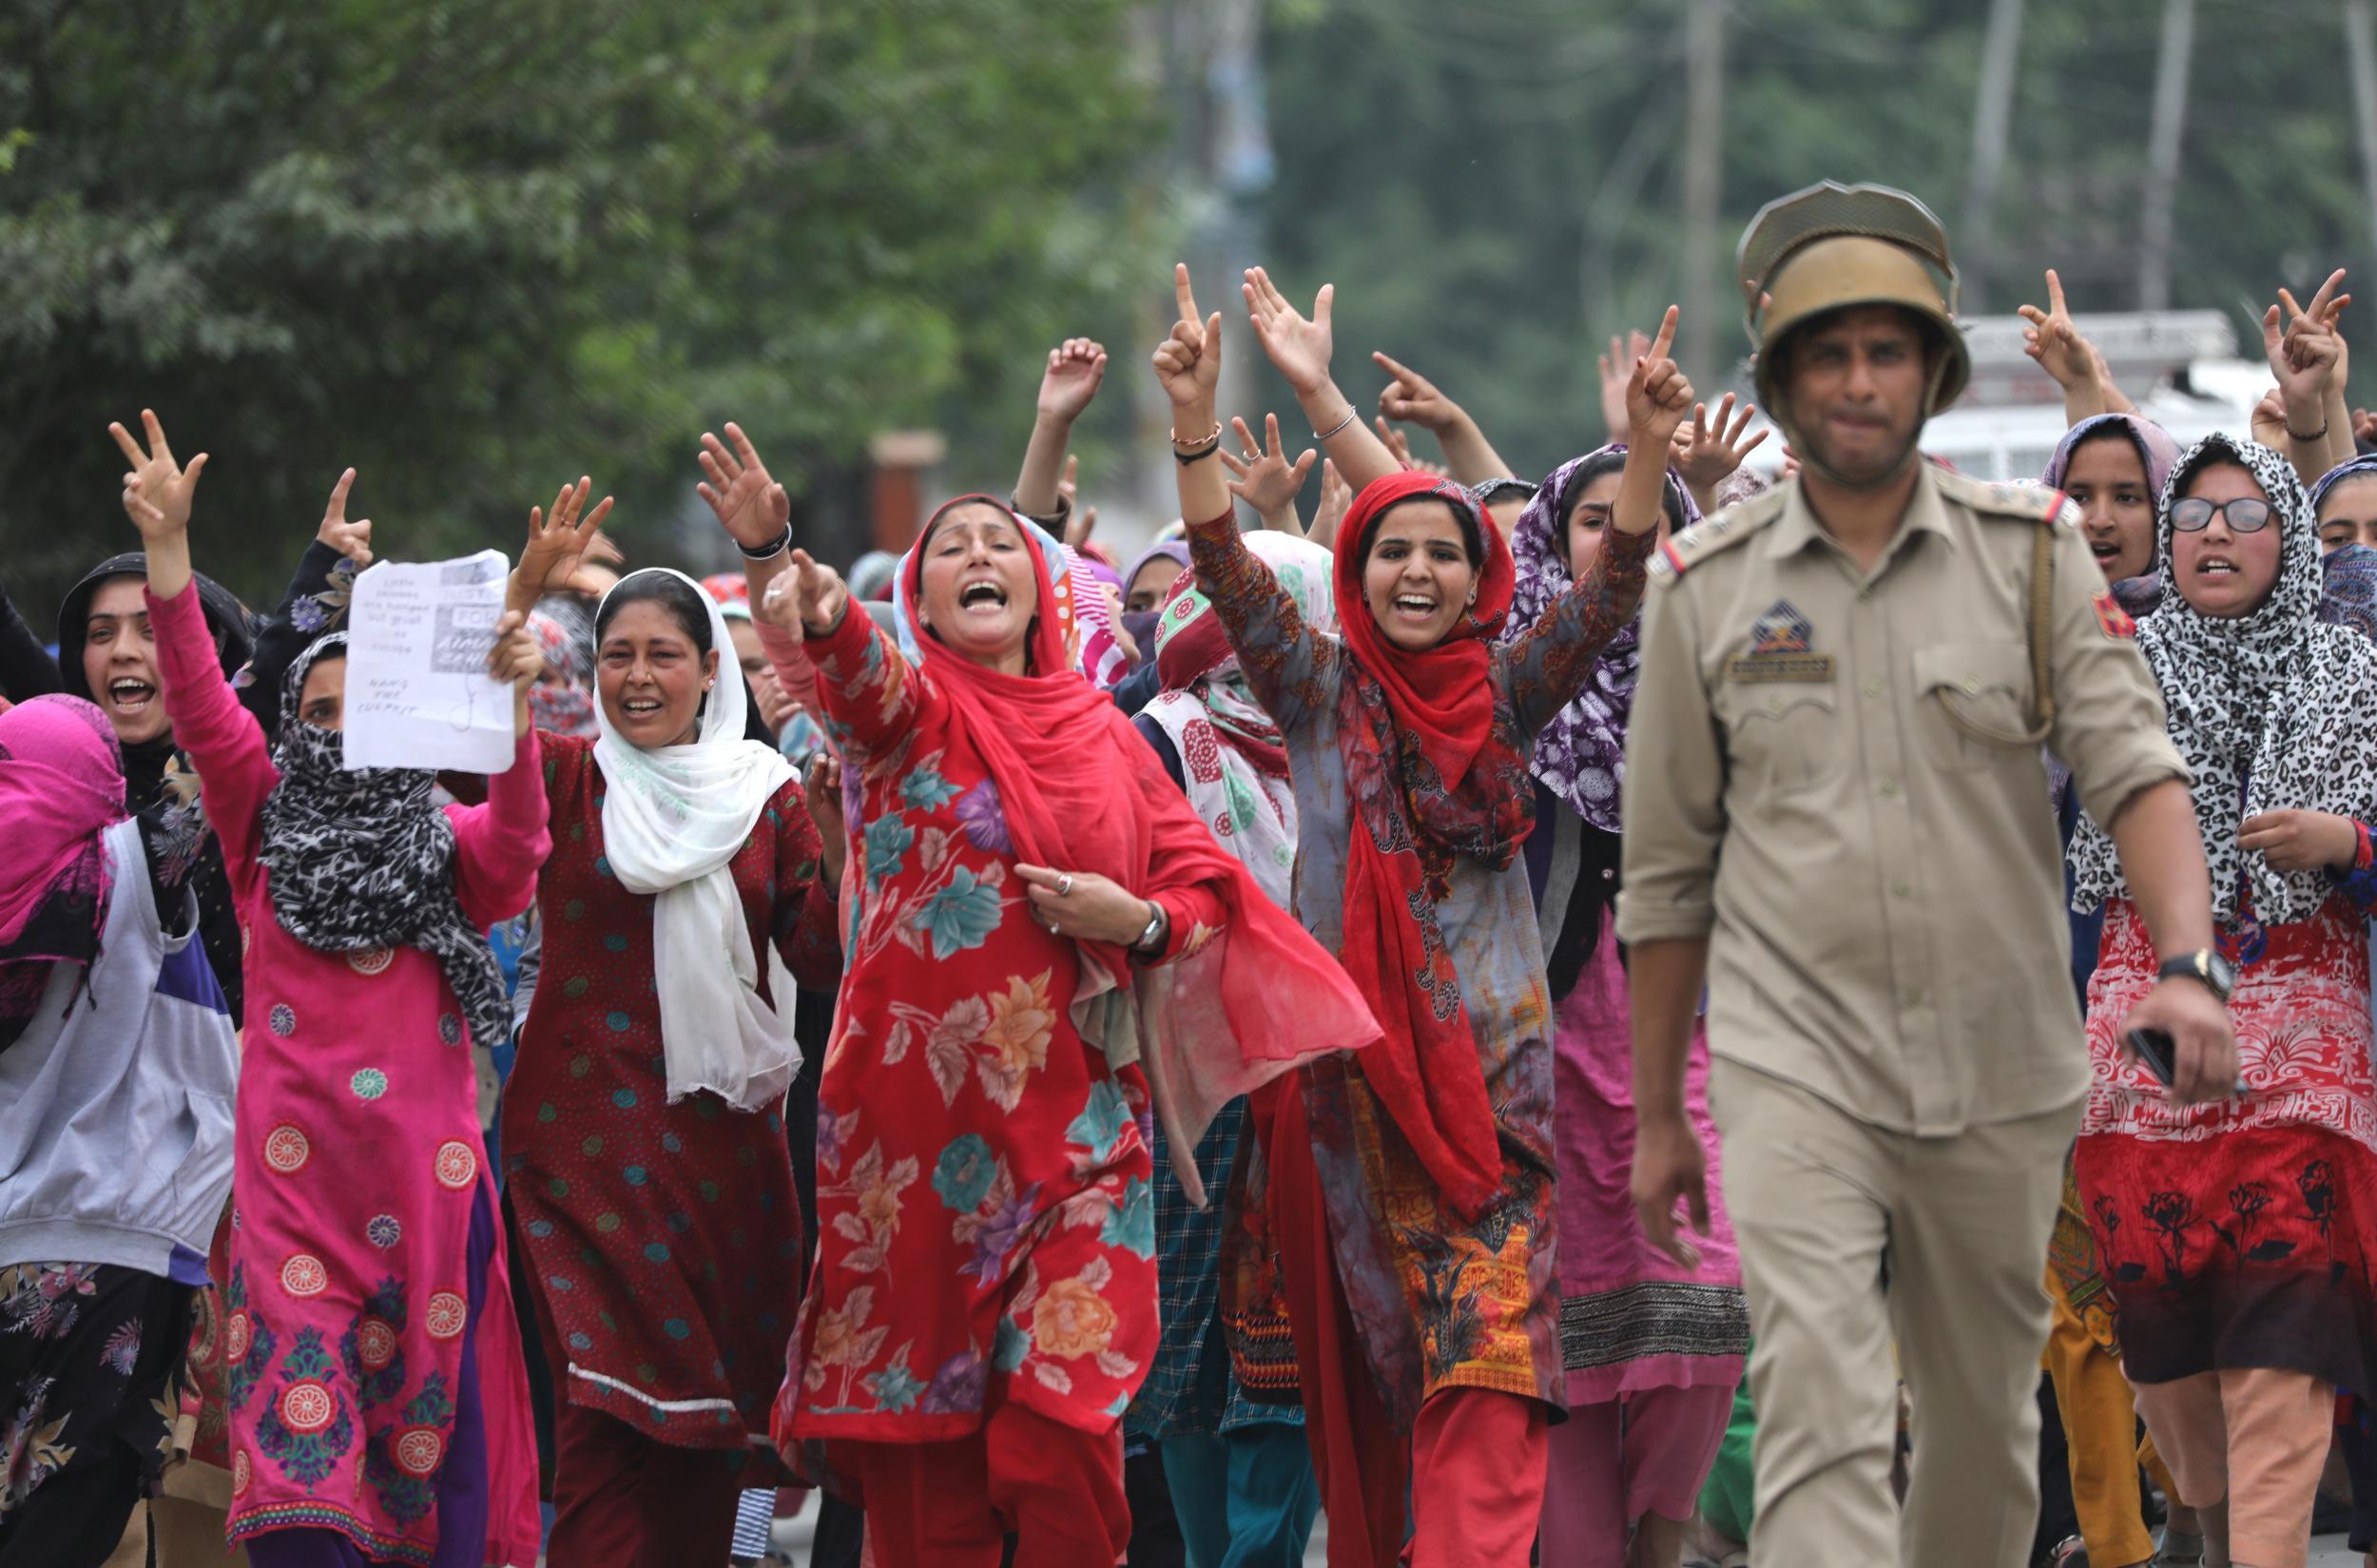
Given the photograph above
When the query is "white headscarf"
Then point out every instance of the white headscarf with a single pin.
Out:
(673, 817)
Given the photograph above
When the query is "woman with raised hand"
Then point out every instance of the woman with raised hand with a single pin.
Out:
(643, 1126)
(378, 1406)
(2238, 1235)
(1038, 908)
(1653, 1350)
(1412, 1187)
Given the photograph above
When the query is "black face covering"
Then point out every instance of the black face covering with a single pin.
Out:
(1140, 624)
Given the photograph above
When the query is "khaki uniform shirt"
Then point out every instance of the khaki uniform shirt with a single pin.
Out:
(1882, 887)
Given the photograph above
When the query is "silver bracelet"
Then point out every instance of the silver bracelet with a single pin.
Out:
(1351, 415)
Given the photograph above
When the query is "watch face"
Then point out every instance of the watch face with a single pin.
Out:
(2222, 973)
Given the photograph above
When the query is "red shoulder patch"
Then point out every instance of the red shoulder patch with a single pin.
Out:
(2115, 621)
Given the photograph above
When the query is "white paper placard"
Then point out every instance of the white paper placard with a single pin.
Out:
(418, 694)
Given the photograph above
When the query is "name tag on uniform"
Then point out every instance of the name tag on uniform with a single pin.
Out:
(1779, 643)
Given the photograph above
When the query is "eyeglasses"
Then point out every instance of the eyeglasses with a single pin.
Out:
(2246, 514)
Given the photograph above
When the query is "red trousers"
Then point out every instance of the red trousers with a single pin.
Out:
(623, 1501)
(1059, 1489)
(1474, 1464)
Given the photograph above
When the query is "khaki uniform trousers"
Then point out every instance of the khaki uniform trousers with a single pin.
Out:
(1821, 1203)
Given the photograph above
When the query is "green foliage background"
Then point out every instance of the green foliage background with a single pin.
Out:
(477, 249)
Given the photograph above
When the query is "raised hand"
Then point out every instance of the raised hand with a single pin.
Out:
(352, 540)
(517, 658)
(1299, 347)
(2302, 356)
(157, 491)
(2268, 423)
(1336, 498)
(1710, 451)
(1617, 365)
(1189, 363)
(1413, 398)
(1080, 521)
(807, 597)
(1657, 392)
(2325, 310)
(1076, 369)
(1263, 478)
(556, 543)
(822, 791)
(2054, 343)
(749, 503)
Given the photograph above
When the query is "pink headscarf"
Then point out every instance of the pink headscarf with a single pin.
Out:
(60, 785)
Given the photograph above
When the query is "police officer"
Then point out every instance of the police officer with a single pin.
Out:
(1836, 810)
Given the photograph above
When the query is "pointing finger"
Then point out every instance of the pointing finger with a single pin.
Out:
(2055, 293)
(1184, 296)
(336, 510)
(1665, 339)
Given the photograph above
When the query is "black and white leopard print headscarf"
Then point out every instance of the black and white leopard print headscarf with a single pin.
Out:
(363, 859)
(2273, 711)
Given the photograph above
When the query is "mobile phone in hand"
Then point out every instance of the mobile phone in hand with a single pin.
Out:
(2157, 1052)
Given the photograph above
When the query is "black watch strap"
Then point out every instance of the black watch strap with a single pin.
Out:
(2205, 966)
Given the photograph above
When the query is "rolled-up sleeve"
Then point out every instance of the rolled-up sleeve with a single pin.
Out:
(1673, 809)
(2109, 727)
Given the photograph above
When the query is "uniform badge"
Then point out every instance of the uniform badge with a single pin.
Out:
(2118, 623)
(1779, 644)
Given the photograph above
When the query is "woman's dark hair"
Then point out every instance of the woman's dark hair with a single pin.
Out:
(2109, 431)
(1670, 498)
(666, 589)
(1465, 512)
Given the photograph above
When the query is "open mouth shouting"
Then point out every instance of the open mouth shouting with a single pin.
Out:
(130, 698)
(983, 596)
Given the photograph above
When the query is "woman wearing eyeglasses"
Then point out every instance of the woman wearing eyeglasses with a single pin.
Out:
(2240, 1234)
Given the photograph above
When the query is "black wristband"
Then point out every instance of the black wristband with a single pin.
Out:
(782, 543)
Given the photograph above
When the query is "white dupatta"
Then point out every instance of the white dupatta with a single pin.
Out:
(673, 819)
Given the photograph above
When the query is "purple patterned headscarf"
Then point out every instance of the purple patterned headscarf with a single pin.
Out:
(2140, 594)
(1581, 753)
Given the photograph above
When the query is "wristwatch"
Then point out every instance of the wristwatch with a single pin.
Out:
(1150, 942)
(2217, 974)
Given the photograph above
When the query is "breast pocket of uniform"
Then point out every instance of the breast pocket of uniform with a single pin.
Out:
(1784, 736)
(1973, 704)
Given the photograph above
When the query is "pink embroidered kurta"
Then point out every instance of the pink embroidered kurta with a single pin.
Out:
(358, 1167)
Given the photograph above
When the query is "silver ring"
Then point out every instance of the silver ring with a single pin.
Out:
(1064, 885)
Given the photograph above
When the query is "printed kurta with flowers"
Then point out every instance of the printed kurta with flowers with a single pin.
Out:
(986, 1219)
(1438, 1302)
(358, 1168)
(665, 1240)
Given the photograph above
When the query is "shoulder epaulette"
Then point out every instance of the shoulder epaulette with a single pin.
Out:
(1711, 535)
(2032, 504)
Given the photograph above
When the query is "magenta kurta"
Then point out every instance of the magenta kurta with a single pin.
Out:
(359, 1164)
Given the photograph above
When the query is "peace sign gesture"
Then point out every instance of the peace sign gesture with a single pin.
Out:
(157, 491)
(1299, 347)
(750, 505)
(1658, 394)
(556, 543)
(352, 540)
(2325, 310)
(1189, 363)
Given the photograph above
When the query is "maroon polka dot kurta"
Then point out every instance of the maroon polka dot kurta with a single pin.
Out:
(664, 1240)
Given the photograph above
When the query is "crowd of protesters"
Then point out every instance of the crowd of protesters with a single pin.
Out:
(1622, 1019)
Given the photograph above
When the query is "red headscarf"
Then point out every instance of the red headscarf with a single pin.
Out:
(1472, 799)
(1082, 791)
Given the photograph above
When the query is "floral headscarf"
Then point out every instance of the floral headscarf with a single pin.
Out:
(1581, 753)
(565, 707)
(2272, 710)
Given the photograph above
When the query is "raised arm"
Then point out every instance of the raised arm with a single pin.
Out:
(871, 696)
(2302, 358)
(1300, 349)
(1263, 478)
(1708, 451)
(314, 602)
(224, 739)
(1279, 652)
(1412, 399)
(2057, 347)
(1549, 665)
(1076, 367)
(499, 846)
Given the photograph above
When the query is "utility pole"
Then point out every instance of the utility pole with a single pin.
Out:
(2162, 154)
(1701, 296)
(2360, 44)
(1993, 124)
